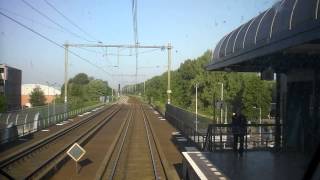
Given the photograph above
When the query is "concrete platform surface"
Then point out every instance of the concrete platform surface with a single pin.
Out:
(251, 166)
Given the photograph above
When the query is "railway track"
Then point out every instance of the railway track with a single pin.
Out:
(135, 152)
(39, 159)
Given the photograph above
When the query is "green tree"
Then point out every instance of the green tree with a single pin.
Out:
(244, 90)
(37, 97)
(83, 89)
(97, 88)
(80, 78)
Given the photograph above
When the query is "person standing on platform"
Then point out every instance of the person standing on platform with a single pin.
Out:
(239, 129)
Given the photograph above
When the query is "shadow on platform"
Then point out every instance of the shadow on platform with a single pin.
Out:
(259, 165)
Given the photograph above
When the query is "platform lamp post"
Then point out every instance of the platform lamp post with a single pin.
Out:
(260, 129)
(196, 86)
(221, 98)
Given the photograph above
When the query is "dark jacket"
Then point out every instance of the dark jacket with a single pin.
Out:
(239, 124)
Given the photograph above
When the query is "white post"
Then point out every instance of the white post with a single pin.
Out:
(54, 103)
(112, 94)
(169, 71)
(221, 109)
(54, 106)
(196, 107)
(48, 105)
(66, 74)
(226, 115)
(260, 124)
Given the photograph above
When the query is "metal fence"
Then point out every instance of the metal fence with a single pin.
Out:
(28, 115)
(188, 118)
(20, 123)
(185, 122)
(257, 136)
(213, 137)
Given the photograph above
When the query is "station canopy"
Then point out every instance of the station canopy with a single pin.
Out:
(286, 36)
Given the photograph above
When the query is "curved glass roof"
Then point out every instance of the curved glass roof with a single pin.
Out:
(289, 23)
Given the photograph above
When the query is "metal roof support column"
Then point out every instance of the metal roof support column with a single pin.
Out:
(278, 124)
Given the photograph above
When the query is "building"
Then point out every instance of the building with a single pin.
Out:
(49, 92)
(10, 86)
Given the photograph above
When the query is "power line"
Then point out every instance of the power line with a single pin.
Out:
(53, 42)
(54, 22)
(115, 54)
(69, 20)
(31, 20)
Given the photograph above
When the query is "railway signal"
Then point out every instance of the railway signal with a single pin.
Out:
(76, 152)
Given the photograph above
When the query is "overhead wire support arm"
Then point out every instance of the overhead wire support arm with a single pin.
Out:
(136, 46)
(121, 46)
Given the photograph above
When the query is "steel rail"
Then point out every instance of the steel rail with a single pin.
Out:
(19, 154)
(103, 167)
(121, 148)
(15, 157)
(45, 167)
(150, 147)
(122, 138)
(164, 163)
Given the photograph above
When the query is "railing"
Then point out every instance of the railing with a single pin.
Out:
(258, 136)
(21, 123)
(220, 137)
(184, 125)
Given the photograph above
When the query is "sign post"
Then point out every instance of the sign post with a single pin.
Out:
(76, 152)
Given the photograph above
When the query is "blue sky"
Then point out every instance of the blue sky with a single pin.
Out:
(190, 26)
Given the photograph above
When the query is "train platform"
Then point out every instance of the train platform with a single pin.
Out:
(263, 165)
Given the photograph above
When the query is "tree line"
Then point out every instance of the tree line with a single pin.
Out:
(240, 90)
(82, 90)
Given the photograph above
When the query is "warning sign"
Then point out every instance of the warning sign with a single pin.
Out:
(76, 152)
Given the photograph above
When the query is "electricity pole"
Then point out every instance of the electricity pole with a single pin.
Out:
(197, 107)
(66, 73)
(48, 103)
(169, 69)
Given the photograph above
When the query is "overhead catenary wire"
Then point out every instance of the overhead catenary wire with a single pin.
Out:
(115, 54)
(70, 21)
(54, 42)
(54, 22)
(31, 20)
